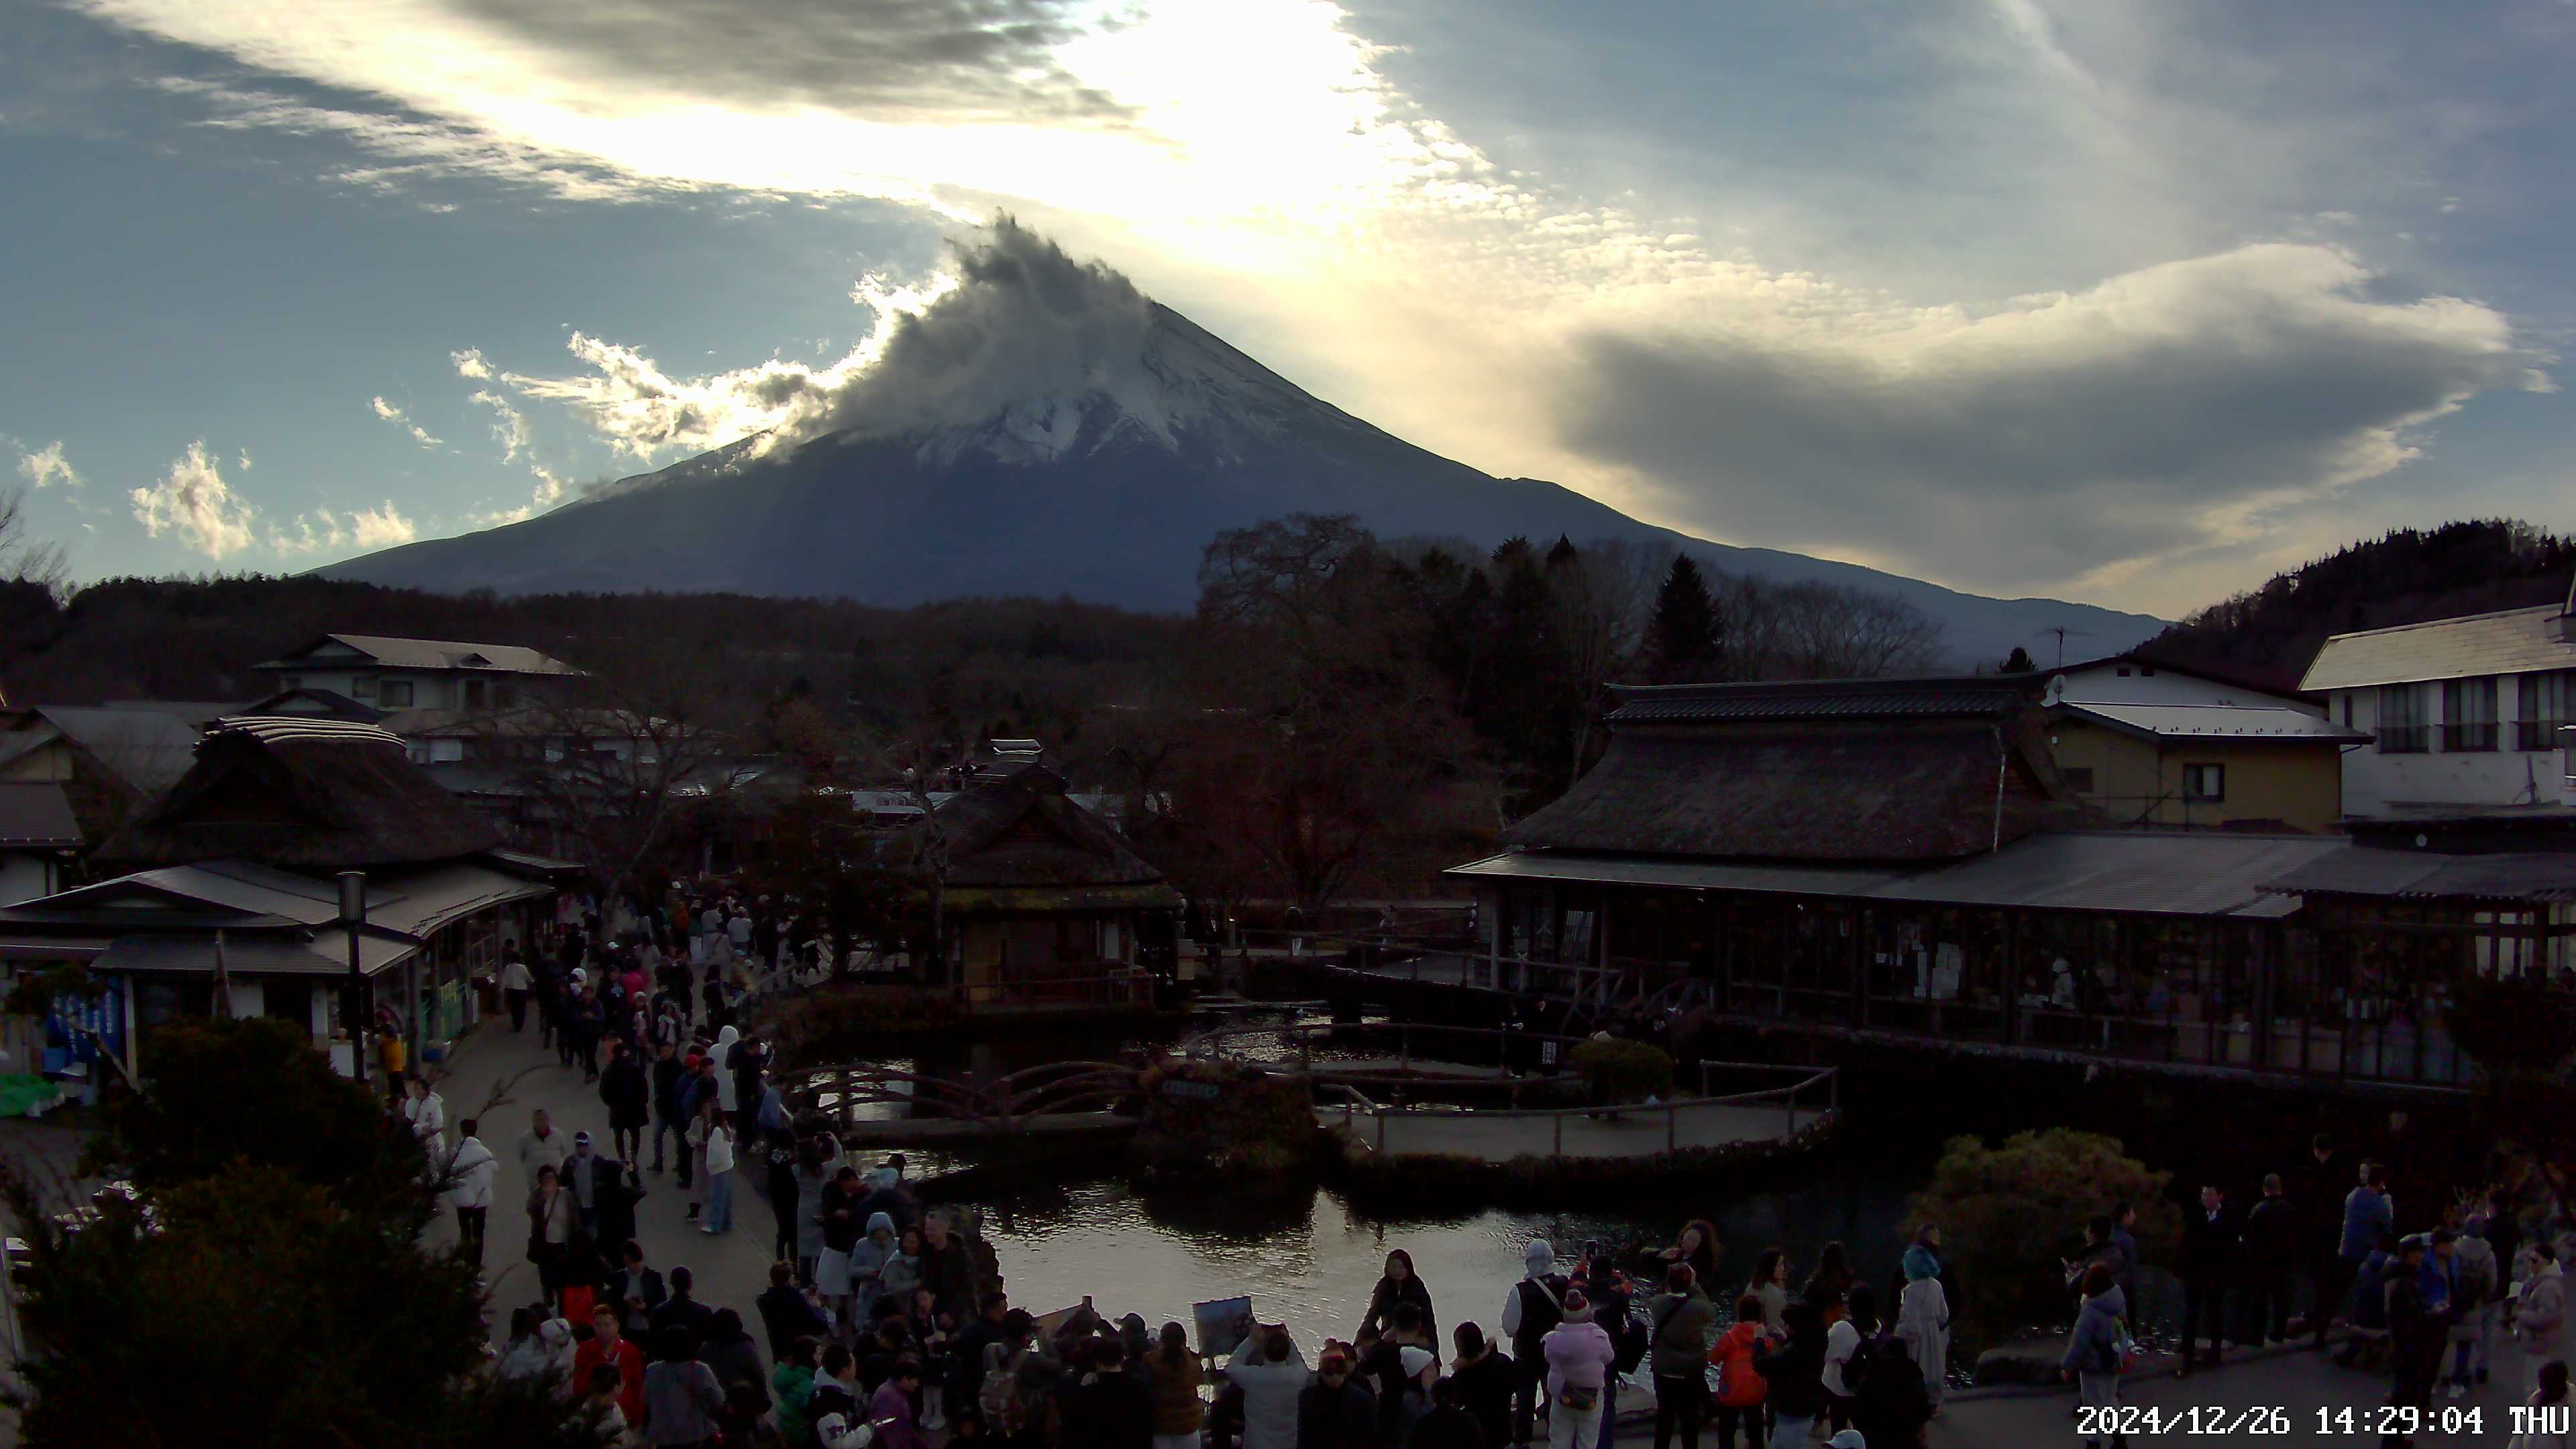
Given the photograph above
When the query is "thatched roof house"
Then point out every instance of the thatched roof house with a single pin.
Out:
(1839, 770)
(1039, 890)
(302, 795)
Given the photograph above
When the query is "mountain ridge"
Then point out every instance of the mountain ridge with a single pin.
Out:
(1106, 489)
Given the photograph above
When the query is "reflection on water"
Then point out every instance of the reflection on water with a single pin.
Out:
(1309, 1260)
(1306, 1258)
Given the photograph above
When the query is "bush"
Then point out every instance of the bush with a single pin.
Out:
(1624, 1071)
(2010, 1215)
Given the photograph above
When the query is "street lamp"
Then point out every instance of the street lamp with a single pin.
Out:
(353, 1011)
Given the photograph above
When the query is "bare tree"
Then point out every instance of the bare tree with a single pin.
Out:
(1809, 630)
(24, 559)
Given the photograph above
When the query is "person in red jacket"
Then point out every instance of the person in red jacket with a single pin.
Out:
(1740, 1390)
(610, 1348)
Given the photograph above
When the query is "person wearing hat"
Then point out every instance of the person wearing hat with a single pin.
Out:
(2475, 1307)
(2415, 1327)
(1534, 1308)
(1578, 1354)
(1336, 1411)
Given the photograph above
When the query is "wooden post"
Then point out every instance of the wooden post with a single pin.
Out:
(1560, 1134)
(1381, 1131)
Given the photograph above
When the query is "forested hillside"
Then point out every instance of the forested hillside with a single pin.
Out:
(2403, 577)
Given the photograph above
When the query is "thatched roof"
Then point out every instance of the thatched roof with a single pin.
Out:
(1883, 788)
(304, 795)
(1021, 830)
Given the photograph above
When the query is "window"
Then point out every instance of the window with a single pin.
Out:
(474, 694)
(2469, 714)
(2204, 782)
(2079, 778)
(2345, 699)
(2401, 720)
(2542, 701)
(394, 694)
(362, 686)
(446, 751)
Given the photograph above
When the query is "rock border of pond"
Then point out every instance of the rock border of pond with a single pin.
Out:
(1436, 1182)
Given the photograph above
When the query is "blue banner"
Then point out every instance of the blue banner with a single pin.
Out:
(86, 1025)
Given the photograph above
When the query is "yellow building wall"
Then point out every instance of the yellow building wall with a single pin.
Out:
(2301, 784)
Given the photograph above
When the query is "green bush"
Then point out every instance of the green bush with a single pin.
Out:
(2010, 1215)
(1624, 1071)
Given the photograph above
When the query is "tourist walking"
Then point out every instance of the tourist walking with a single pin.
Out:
(609, 1347)
(471, 1173)
(718, 1143)
(2272, 1248)
(1682, 1316)
(552, 1220)
(515, 983)
(1923, 1312)
(1534, 1307)
(426, 1113)
(2477, 1302)
(1400, 1284)
(541, 1146)
(2095, 1349)
(2319, 1194)
(628, 1093)
(1740, 1387)
(2540, 1312)
(1578, 1354)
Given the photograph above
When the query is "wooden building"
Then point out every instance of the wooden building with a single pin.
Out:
(241, 857)
(1043, 900)
(1901, 859)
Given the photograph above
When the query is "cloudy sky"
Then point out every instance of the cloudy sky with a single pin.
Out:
(2130, 302)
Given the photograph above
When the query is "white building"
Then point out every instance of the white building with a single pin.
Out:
(2471, 711)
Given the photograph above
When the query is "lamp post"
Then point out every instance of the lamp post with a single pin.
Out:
(353, 1011)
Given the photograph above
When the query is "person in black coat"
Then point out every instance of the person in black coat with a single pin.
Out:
(789, 1313)
(1486, 1378)
(2317, 1191)
(628, 1092)
(1448, 1425)
(1795, 1372)
(2212, 1242)
(1336, 1411)
(1401, 1285)
(2272, 1257)
(1114, 1410)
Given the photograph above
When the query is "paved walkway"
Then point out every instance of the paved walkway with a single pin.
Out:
(2299, 1382)
(732, 1269)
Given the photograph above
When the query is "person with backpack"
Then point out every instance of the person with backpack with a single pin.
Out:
(1891, 1408)
(1578, 1354)
(2095, 1349)
(1740, 1387)
(1682, 1316)
(1847, 1342)
(1534, 1308)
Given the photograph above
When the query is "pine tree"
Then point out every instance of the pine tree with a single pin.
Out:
(2018, 662)
(1681, 637)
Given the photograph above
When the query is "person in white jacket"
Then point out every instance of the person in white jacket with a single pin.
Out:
(426, 1111)
(2540, 1313)
(1271, 1373)
(471, 1172)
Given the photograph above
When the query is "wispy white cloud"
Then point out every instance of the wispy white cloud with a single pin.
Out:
(383, 526)
(46, 466)
(193, 503)
(470, 363)
(398, 418)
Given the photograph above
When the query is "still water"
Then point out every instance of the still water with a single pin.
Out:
(1307, 1258)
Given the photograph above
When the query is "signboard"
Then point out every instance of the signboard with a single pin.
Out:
(1223, 1325)
(85, 1025)
(1191, 1091)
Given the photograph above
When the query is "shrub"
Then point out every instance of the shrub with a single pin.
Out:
(2010, 1215)
(1624, 1071)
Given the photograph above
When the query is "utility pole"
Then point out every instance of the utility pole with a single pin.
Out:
(353, 1010)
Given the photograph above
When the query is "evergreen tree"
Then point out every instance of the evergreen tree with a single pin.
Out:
(1681, 636)
(2018, 661)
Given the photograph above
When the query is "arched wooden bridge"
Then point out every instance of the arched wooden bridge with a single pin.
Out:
(1058, 1099)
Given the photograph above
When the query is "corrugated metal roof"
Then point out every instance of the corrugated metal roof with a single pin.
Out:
(2360, 870)
(251, 955)
(147, 748)
(1943, 698)
(426, 654)
(2220, 721)
(2515, 641)
(2133, 871)
(37, 816)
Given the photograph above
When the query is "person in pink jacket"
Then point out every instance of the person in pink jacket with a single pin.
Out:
(1579, 1354)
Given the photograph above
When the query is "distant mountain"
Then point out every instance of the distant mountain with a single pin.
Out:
(2406, 576)
(1106, 494)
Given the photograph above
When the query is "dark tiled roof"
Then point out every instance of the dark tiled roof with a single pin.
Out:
(37, 816)
(2360, 870)
(1970, 697)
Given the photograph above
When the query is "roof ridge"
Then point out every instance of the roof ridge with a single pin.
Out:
(2448, 619)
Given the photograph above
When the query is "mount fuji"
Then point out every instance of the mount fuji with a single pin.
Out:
(1101, 474)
